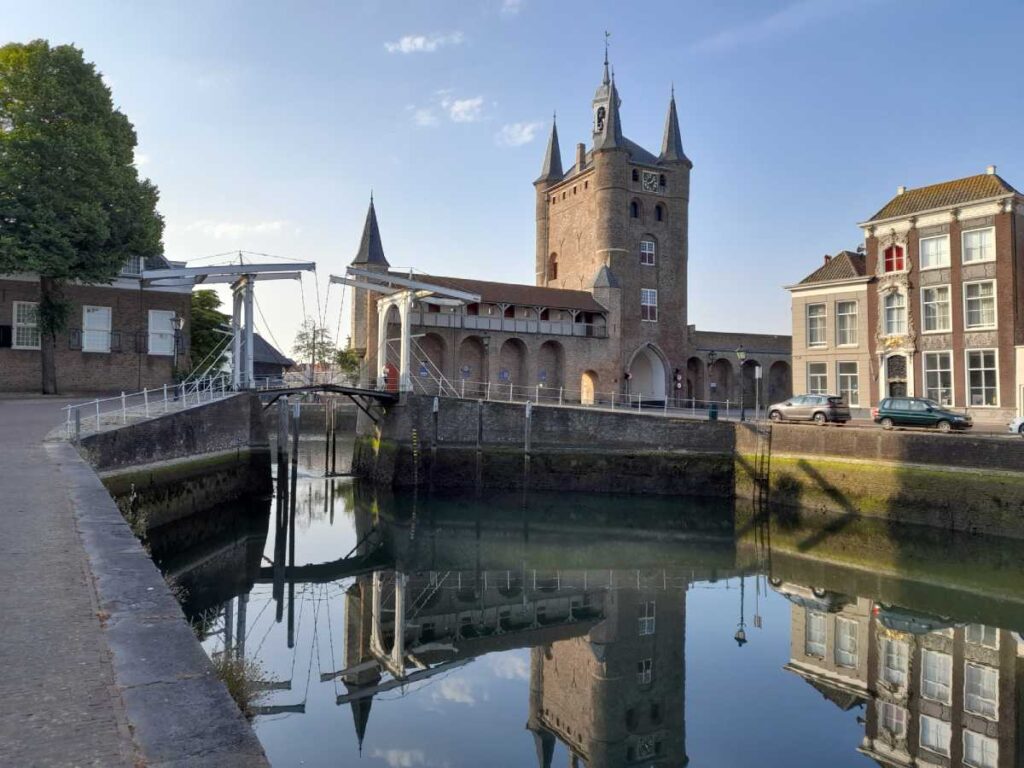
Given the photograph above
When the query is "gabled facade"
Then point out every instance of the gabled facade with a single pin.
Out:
(124, 336)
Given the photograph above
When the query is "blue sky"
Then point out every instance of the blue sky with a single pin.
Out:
(266, 124)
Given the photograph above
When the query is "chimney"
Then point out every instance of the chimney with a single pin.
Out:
(991, 170)
(581, 155)
(827, 258)
(900, 189)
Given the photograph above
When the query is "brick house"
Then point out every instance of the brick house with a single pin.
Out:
(831, 353)
(120, 337)
(946, 302)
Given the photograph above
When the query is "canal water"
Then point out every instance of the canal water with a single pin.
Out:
(546, 629)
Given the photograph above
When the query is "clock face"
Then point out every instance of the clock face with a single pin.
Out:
(650, 182)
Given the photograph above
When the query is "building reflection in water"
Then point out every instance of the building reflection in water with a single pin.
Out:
(935, 692)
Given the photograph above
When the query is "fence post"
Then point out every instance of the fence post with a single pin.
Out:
(145, 399)
(510, 385)
(124, 409)
(97, 414)
(639, 400)
(537, 396)
(78, 424)
(462, 393)
(666, 405)
(487, 391)
(165, 398)
(560, 395)
(613, 401)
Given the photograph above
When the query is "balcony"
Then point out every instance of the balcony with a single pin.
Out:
(508, 324)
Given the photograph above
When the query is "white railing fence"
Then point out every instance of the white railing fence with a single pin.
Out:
(95, 415)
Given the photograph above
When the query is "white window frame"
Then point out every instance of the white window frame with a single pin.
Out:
(15, 325)
(921, 248)
(823, 342)
(963, 245)
(104, 346)
(850, 657)
(985, 670)
(644, 671)
(884, 660)
(925, 370)
(943, 688)
(995, 305)
(854, 327)
(981, 642)
(646, 617)
(646, 294)
(886, 327)
(152, 335)
(811, 390)
(938, 747)
(887, 708)
(967, 374)
(648, 257)
(853, 402)
(925, 303)
(989, 740)
(813, 646)
(128, 270)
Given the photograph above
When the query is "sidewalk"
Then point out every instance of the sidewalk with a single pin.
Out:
(58, 702)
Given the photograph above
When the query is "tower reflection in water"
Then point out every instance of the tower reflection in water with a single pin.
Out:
(597, 591)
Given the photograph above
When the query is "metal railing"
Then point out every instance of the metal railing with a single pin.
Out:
(95, 415)
(566, 327)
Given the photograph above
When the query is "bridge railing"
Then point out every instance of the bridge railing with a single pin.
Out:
(95, 415)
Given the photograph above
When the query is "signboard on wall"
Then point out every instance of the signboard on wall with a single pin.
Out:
(504, 374)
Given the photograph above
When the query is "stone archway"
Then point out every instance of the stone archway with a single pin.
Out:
(648, 374)
(720, 381)
(896, 376)
(780, 384)
(471, 376)
(550, 370)
(588, 388)
(749, 382)
(430, 361)
(512, 368)
(695, 384)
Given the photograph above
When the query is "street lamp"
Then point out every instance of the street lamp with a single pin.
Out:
(711, 356)
(741, 632)
(741, 355)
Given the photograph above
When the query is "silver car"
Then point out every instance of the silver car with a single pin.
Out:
(821, 409)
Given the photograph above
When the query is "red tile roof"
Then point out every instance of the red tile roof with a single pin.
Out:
(843, 266)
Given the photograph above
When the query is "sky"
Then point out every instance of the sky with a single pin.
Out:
(265, 125)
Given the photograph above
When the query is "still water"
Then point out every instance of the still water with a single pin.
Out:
(536, 630)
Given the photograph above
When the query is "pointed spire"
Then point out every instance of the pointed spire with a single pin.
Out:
(544, 742)
(611, 137)
(361, 716)
(371, 251)
(552, 168)
(604, 80)
(672, 141)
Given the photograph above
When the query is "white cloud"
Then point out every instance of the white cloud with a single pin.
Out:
(424, 117)
(517, 134)
(510, 667)
(233, 230)
(463, 110)
(455, 690)
(141, 159)
(786, 21)
(401, 758)
(511, 7)
(423, 43)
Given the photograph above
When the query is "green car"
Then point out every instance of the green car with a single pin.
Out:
(918, 412)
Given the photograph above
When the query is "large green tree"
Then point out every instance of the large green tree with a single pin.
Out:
(207, 329)
(72, 205)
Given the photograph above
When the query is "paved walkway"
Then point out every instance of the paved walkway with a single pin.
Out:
(58, 702)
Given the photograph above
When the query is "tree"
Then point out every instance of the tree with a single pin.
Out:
(207, 328)
(313, 342)
(72, 205)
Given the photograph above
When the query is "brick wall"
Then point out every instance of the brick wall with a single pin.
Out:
(77, 371)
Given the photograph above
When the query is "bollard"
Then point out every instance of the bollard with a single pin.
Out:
(713, 412)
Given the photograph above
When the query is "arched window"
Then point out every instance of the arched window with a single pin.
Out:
(659, 212)
(510, 311)
(895, 313)
(661, 180)
(553, 267)
(648, 252)
(894, 259)
(634, 210)
(636, 175)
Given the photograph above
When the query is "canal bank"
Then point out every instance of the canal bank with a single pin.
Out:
(958, 482)
(101, 667)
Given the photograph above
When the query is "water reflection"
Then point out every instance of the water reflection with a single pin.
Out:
(412, 631)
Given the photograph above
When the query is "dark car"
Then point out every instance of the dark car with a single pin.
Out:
(821, 409)
(918, 412)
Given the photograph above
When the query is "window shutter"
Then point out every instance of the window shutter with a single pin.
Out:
(5, 336)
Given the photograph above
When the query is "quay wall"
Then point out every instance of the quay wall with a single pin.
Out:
(958, 482)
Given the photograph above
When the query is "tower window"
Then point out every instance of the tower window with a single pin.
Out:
(659, 212)
(647, 252)
(553, 267)
(636, 175)
(648, 314)
(661, 180)
(634, 210)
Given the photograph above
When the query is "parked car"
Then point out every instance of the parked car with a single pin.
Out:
(821, 409)
(899, 619)
(815, 598)
(1017, 426)
(918, 412)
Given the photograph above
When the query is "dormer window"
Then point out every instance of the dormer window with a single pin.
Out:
(893, 259)
(133, 266)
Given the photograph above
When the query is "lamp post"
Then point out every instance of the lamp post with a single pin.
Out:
(741, 355)
(741, 631)
(486, 372)
(711, 356)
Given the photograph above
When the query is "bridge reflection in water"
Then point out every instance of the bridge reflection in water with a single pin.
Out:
(353, 597)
